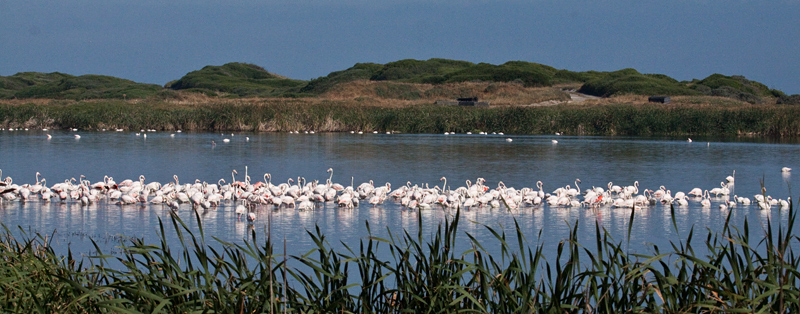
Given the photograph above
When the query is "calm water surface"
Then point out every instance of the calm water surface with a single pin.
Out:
(420, 159)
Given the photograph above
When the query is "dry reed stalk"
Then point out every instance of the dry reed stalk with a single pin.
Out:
(495, 93)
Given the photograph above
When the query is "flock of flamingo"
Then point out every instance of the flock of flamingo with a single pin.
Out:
(306, 195)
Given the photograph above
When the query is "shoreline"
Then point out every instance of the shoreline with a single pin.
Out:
(626, 116)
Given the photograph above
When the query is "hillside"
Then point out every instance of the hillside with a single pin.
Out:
(64, 86)
(238, 80)
(409, 79)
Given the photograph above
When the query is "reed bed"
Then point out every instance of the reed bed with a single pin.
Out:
(408, 273)
(283, 115)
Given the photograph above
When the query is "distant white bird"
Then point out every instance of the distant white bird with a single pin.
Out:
(77, 136)
(554, 142)
(226, 140)
(240, 210)
(786, 169)
(689, 140)
(509, 140)
(49, 136)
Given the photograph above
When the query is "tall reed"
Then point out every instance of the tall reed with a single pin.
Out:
(409, 273)
(336, 116)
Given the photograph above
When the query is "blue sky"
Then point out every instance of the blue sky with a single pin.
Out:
(159, 41)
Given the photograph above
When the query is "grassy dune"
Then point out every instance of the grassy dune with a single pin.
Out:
(237, 80)
(525, 98)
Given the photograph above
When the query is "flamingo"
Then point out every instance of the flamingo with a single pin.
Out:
(377, 199)
(742, 200)
(7, 181)
(305, 204)
(36, 188)
(614, 188)
(158, 199)
(705, 202)
(667, 197)
(240, 210)
(660, 192)
(723, 189)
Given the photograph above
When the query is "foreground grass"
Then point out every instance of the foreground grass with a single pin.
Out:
(738, 274)
(629, 115)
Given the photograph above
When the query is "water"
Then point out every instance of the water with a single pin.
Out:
(420, 159)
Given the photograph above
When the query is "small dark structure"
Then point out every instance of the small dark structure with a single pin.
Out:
(661, 99)
(468, 101)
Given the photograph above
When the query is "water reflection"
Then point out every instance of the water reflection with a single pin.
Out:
(397, 159)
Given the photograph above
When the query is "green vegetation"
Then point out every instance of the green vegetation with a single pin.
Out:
(736, 87)
(63, 86)
(789, 100)
(237, 79)
(630, 81)
(737, 274)
(360, 71)
(437, 71)
(327, 116)
(739, 83)
(416, 71)
(529, 74)
(10, 85)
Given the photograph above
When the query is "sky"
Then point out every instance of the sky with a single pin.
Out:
(156, 42)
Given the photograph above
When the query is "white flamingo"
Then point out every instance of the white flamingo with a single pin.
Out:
(705, 202)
